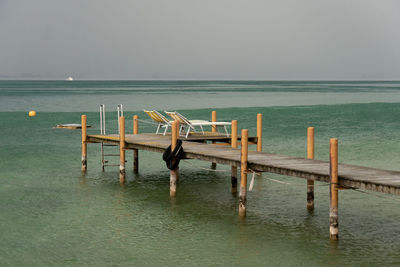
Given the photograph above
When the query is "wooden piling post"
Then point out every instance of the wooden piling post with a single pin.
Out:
(177, 137)
(213, 130)
(174, 174)
(259, 132)
(122, 150)
(135, 151)
(84, 143)
(234, 145)
(214, 119)
(334, 196)
(243, 173)
(310, 155)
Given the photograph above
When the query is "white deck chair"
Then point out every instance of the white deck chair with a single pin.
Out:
(160, 119)
(190, 124)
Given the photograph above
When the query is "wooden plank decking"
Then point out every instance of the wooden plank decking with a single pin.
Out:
(349, 175)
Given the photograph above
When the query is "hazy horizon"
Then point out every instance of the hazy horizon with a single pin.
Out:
(189, 79)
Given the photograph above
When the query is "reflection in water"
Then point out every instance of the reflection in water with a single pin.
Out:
(333, 247)
(82, 179)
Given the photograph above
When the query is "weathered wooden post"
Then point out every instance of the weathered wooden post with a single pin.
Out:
(177, 137)
(259, 132)
(243, 173)
(84, 143)
(122, 150)
(135, 151)
(214, 119)
(214, 130)
(334, 196)
(234, 145)
(174, 174)
(310, 155)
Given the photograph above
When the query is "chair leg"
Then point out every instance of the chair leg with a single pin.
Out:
(226, 131)
(158, 128)
(187, 134)
(201, 127)
(166, 128)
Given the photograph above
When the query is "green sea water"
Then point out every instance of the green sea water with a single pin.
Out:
(53, 215)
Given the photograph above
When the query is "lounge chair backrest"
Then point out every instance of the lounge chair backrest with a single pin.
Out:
(183, 118)
(156, 117)
(161, 116)
(178, 117)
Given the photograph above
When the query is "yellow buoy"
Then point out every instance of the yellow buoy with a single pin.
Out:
(32, 113)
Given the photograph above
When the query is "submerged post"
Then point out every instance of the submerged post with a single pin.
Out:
(259, 132)
(135, 151)
(214, 130)
(84, 143)
(243, 173)
(334, 201)
(122, 150)
(234, 168)
(174, 173)
(310, 155)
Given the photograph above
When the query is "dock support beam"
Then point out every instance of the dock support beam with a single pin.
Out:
(122, 150)
(310, 155)
(213, 130)
(234, 145)
(334, 196)
(84, 143)
(243, 173)
(135, 151)
(259, 132)
(174, 174)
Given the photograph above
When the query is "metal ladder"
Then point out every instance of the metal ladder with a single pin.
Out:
(120, 112)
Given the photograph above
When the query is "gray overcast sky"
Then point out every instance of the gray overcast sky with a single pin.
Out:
(203, 39)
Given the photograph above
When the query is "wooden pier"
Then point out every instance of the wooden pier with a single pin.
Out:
(223, 150)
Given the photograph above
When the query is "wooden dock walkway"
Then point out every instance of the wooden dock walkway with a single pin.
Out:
(349, 175)
(221, 149)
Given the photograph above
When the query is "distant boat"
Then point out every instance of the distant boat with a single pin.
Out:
(70, 78)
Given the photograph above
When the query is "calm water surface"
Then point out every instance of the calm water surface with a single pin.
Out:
(52, 215)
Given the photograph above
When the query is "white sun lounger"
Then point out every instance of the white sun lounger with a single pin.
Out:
(190, 124)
